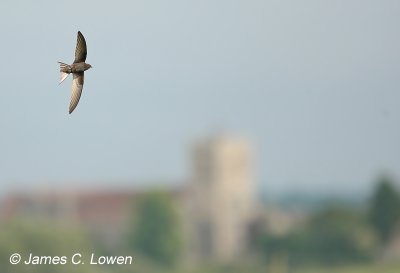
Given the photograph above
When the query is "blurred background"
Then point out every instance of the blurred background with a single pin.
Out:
(228, 136)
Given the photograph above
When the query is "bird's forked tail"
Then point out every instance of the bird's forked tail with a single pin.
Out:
(63, 68)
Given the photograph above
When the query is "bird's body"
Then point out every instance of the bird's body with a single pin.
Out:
(77, 68)
(74, 68)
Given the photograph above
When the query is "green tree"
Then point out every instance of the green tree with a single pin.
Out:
(340, 235)
(156, 233)
(385, 208)
(332, 236)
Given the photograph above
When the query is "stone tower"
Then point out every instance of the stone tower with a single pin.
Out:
(222, 199)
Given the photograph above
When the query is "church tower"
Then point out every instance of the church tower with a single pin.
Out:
(222, 198)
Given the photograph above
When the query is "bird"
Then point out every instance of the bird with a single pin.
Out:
(77, 68)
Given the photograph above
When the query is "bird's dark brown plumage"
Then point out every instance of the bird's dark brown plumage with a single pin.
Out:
(81, 50)
(77, 68)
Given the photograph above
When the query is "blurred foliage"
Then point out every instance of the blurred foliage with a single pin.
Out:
(364, 268)
(157, 233)
(42, 239)
(331, 237)
(385, 208)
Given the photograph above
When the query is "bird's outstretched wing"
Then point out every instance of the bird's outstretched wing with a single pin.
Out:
(81, 50)
(76, 91)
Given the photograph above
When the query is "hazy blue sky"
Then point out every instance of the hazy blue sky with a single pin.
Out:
(314, 84)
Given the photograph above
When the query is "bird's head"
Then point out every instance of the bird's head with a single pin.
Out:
(87, 66)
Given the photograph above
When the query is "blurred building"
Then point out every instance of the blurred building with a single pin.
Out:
(221, 195)
(216, 206)
(105, 215)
